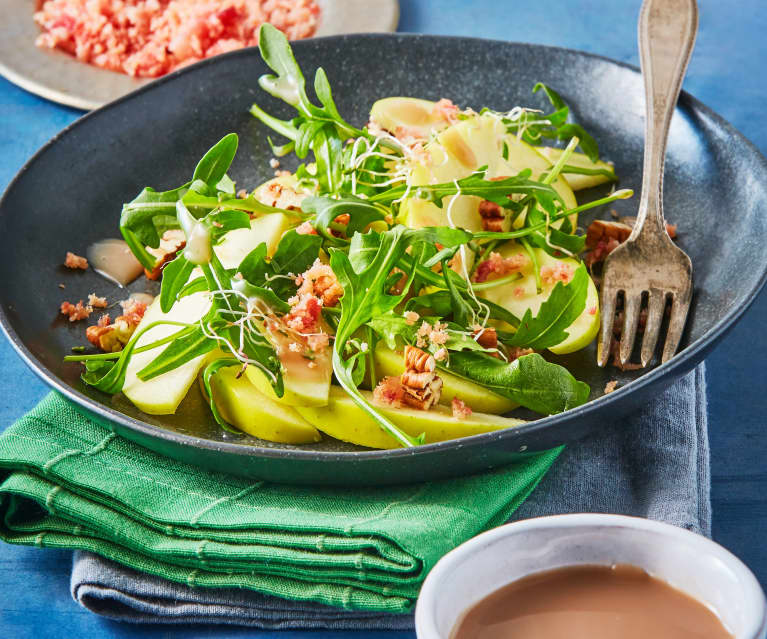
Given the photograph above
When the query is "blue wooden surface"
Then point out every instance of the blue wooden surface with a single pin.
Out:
(726, 72)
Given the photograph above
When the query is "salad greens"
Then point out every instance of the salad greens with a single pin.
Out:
(355, 268)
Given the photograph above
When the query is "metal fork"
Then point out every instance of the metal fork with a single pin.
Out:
(649, 262)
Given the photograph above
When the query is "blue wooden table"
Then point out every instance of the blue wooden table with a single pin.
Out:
(726, 72)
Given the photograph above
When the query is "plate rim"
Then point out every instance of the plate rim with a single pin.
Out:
(677, 362)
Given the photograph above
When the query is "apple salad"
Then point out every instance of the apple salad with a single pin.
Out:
(403, 286)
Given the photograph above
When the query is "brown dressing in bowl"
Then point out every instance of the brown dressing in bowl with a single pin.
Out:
(590, 602)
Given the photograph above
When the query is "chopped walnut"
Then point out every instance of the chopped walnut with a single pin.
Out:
(486, 337)
(603, 237)
(492, 215)
(460, 409)
(113, 337)
(75, 312)
(421, 384)
(171, 242)
(75, 261)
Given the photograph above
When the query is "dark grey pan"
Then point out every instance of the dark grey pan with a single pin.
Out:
(70, 194)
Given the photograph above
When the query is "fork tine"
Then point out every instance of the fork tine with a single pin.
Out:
(679, 308)
(609, 295)
(655, 306)
(631, 306)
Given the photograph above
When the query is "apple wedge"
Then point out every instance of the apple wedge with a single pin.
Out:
(345, 420)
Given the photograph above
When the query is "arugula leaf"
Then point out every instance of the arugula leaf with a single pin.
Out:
(497, 191)
(441, 303)
(109, 375)
(557, 313)
(366, 296)
(178, 352)
(326, 210)
(530, 381)
(213, 166)
(174, 278)
(208, 372)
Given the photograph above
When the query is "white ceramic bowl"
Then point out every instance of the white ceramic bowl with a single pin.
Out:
(690, 562)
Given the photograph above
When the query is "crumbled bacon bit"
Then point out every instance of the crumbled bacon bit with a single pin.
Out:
(492, 215)
(411, 317)
(592, 310)
(496, 266)
(133, 310)
(97, 302)
(343, 219)
(408, 135)
(75, 312)
(306, 228)
(305, 313)
(281, 196)
(274, 163)
(445, 109)
(671, 230)
(317, 341)
(441, 354)
(438, 335)
(320, 280)
(460, 409)
(487, 337)
(75, 261)
(389, 392)
(560, 272)
(610, 386)
(603, 237)
(104, 320)
(295, 347)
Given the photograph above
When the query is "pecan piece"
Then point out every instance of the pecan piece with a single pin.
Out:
(421, 384)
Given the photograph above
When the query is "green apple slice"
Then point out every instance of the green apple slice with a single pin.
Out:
(162, 394)
(390, 363)
(252, 412)
(410, 113)
(521, 294)
(345, 420)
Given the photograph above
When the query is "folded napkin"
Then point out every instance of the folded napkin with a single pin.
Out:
(654, 464)
(68, 482)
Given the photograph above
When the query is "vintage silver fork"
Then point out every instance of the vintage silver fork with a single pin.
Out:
(649, 262)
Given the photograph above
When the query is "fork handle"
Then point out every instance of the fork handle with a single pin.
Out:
(667, 30)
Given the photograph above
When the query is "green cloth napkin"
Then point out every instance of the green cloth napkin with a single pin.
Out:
(68, 482)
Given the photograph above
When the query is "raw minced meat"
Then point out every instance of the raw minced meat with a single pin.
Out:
(149, 38)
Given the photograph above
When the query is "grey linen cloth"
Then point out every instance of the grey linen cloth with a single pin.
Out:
(653, 464)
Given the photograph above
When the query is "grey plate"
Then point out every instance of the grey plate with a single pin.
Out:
(60, 77)
(70, 194)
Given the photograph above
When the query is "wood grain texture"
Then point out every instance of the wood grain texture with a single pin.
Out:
(34, 585)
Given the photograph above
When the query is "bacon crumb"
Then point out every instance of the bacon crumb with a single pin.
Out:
(446, 110)
(441, 354)
(460, 409)
(75, 261)
(304, 315)
(411, 317)
(306, 228)
(560, 272)
(487, 337)
(113, 337)
(610, 386)
(492, 216)
(274, 163)
(592, 310)
(295, 347)
(97, 302)
(389, 392)
(496, 266)
(104, 320)
(320, 281)
(75, 312)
